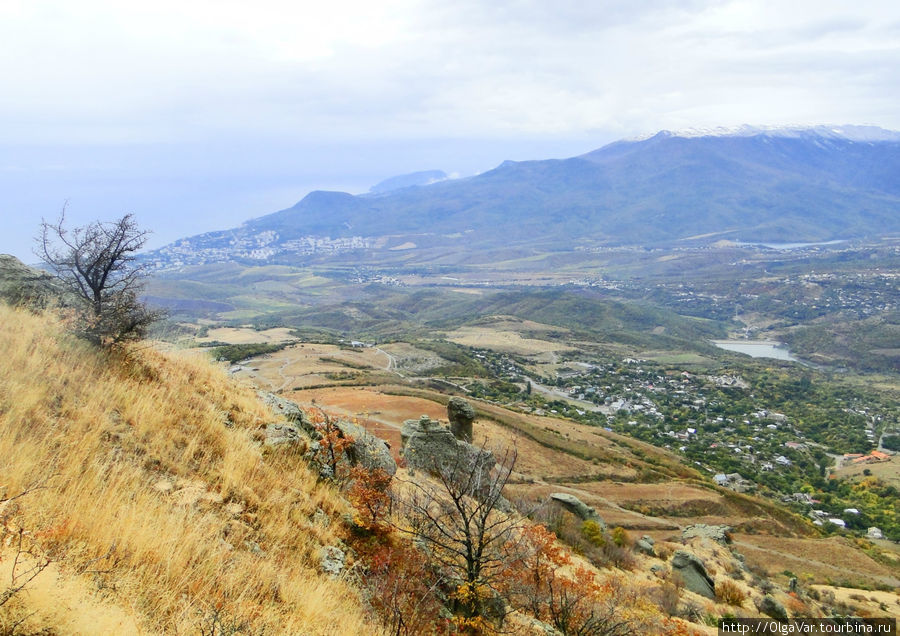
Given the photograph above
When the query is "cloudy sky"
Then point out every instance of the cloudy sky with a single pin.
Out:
(198, 115)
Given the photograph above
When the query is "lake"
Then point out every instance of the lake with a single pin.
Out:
(757, 348)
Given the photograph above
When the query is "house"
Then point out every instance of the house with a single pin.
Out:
(874, 533)
(732, 481)
(782, 460)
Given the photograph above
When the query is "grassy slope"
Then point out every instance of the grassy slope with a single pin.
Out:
(142, 483)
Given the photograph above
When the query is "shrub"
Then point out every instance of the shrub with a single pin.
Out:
(591, 531)
(621, 537)
(666, 596)
(403, 591)
(368, 492)
(727, 591)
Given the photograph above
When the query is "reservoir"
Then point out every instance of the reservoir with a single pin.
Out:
(757, 348)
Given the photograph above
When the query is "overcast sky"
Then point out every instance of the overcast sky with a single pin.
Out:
(198, 115)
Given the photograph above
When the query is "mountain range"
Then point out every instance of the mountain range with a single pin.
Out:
(749, 184)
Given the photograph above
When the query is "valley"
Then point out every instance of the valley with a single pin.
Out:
(606, 435)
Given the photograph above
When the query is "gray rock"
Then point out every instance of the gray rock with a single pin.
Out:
(430, 446)
(277, 434)
(411, 427)
(540, 627)
(770, 607)
(718, 534)
(648, 539)
(693, 573)
(331, 560)
(461, 415)
(289, 411)
(578, 508)
(642, 545)
(366, 449)
(658, 568)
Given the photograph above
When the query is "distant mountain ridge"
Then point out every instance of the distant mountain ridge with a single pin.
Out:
(792, 184)
(421, 178)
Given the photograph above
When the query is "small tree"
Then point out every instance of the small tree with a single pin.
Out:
(97, 263)
(460, 518)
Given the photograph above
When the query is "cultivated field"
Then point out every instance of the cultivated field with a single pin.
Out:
(246, 335)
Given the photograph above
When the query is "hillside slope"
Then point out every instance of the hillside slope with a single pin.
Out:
(138, 477)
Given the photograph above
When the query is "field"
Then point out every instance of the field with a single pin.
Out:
(306, 365)
(246, 335)
(498, 340)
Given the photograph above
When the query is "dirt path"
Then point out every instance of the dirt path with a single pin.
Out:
(392, 362)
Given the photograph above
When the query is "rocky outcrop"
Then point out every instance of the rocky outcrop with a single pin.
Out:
(331, 560)
(461, 416)
(719, 534)
(578, 508)
(366, 449)
(287, 409)
(21, 285)
(770, 607)
(693, 573)
(430, 446)
(645, 545)
(276, 434)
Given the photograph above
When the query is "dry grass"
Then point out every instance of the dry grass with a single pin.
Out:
(151, 481)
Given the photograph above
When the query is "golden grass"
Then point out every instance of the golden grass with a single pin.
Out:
(150, 480)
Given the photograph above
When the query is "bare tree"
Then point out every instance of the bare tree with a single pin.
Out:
(463, 521)
(97, 263)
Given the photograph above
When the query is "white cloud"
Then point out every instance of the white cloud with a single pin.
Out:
(311, 70)
(137, 103)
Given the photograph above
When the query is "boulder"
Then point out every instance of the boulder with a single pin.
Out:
(430, 446)
(277, 433)
(770, 607)
(331, 560)
(578, 508)
(644, 545)
(461, 415)
(719, 534)
(693, 573)
(367, 450)
(288, 410)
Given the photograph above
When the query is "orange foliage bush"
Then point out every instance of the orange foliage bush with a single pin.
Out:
(544, 581)
(368, 493)
(402, 590)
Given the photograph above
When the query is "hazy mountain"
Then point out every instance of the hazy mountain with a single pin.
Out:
(422, 178)
(809, 184)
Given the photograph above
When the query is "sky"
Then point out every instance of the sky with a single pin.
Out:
(199, 115)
